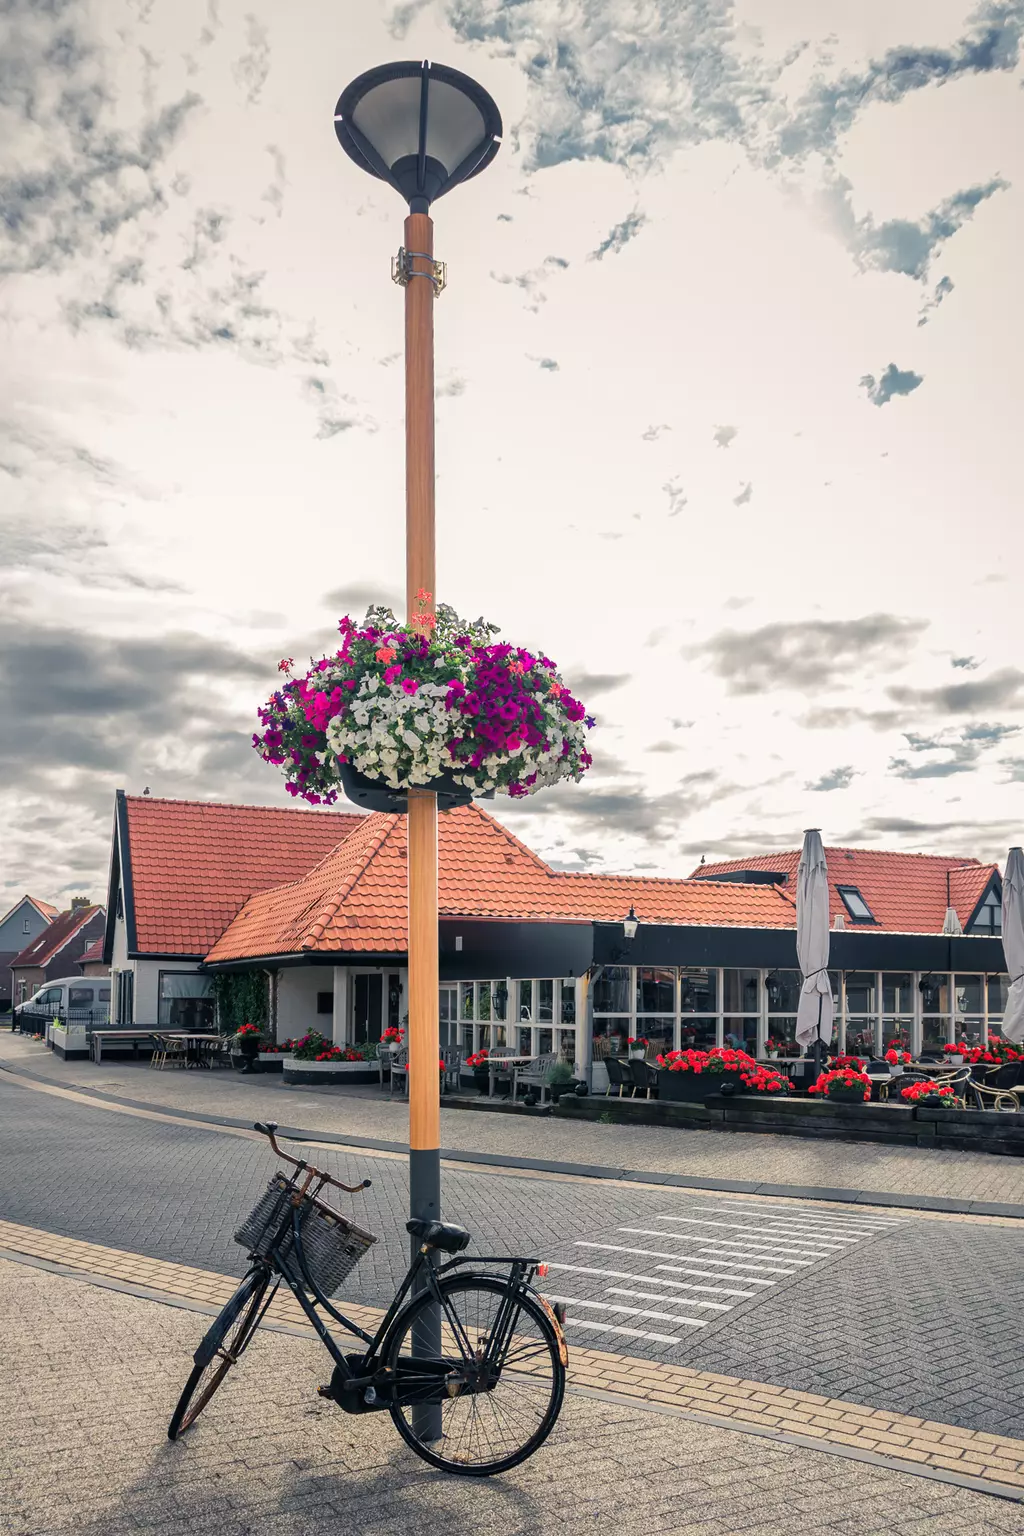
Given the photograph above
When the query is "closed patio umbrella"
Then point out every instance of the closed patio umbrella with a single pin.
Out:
(814, 1011)
(1013, 944)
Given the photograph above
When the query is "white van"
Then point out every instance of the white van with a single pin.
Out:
(77, 1001)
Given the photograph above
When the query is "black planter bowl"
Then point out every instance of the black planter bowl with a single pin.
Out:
(376, 795)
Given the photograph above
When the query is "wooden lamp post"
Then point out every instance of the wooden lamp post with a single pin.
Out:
(423, 129)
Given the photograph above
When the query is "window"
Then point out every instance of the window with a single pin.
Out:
(49, 997)
(185, 1000)
(855, 904)
(126, 997)
(611, 990)
(655, 991)
(22, 991)
(325, 1002)
(26, 926)
(989, 919)
(79, 997)
(698, 990)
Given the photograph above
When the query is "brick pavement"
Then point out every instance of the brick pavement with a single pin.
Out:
(913, 1322)
(775, 1159)
(92, 1377)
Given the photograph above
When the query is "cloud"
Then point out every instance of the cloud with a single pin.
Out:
(967, 663)
(586, 685)
(676, 497)
(274, 195)
(805, 654)
(356, 596)
(88, 175)
(453, 385)
(723, 436)
(943, 288)
(1002, 689)
(907, 246)
(653, 433)
(744, 495)
(620, 236)
(547, 363)
(629, 809)
(829, 109)
(836, 778)
(893, 382)
(253, 66)
(963, 750)
(532, 281)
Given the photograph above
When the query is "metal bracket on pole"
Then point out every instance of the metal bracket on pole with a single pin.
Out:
(402, 269)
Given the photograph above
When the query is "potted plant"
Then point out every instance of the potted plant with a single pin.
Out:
(772, 1046)
(310, 1046)
(897, 1060)
(392, 1039)
(935, 1095)
(247, 1044)
(559, 1080)
(637, 1047)
(843, 1086)
(433, 703)
(477, 1064)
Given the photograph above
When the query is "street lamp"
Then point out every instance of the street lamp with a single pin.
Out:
(422, 128)
(630, 925)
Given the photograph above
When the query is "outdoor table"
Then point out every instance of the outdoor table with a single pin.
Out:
(132, 1036)
(500, 1065)
(194, 1042)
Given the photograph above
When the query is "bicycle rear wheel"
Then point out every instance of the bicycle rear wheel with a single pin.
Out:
(490, 1420)
(219, 1350)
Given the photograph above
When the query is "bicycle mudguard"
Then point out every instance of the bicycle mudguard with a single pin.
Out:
(210, 1341)
(563, 1347)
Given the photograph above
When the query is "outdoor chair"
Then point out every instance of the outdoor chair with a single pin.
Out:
(644, 1076)
(892, 1089)
(452, 1058)
(399, 1062)
(619, 1075)
(500, 1054)
(168, 1048)
(534, 1074)
(1001, 1089)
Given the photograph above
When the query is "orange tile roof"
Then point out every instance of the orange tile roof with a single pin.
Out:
(355, 899)
(64, 927)
(194, 863)
(93, 954)
(906, 892)
(42, 907)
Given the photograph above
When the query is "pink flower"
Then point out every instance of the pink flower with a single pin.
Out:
(391, 674)
(409, 685)
(514, 742)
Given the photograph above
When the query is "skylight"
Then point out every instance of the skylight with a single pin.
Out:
(855, 904)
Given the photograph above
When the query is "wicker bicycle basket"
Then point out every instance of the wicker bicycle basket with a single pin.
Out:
(331, 1246)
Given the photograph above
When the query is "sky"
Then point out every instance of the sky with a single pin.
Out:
(728, 417)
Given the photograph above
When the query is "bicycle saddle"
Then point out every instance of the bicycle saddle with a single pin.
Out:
(440, 1234)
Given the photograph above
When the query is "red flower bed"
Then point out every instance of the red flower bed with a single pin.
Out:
(915, 1091)
(721, 1060)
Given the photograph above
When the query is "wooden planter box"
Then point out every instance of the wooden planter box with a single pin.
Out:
(693, 1087)
(325, 1073)
(974, 1130)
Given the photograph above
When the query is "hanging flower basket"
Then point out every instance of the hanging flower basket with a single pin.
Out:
(433, 705)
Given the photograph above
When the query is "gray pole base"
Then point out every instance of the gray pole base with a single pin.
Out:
(425, 1205)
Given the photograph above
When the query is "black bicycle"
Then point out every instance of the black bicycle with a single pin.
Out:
(470, 1365)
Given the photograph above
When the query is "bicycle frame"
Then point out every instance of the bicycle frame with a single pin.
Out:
(359, 1376)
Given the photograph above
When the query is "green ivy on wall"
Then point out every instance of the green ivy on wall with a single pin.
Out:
(241, 999)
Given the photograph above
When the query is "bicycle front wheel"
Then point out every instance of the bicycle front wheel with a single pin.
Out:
(492, 1416)
(220, 1348)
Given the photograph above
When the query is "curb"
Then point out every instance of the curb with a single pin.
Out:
(572, 1170)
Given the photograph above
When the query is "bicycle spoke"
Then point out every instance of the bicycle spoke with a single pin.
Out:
(504, 1356)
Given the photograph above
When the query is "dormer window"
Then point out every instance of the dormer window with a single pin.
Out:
(855, 904)
(989, 917)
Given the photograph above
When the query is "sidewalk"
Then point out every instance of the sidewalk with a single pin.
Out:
(91, 1377)
(368, 1115)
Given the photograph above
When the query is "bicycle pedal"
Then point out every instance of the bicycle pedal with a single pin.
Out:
(325, 1392)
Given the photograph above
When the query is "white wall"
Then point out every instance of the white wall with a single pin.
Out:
(297, 988)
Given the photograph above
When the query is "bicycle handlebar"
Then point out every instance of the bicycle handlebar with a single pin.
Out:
(269, 1130)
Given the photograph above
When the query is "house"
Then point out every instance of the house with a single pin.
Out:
(23, 923)
(900, 892)
(57, 950)
(180, 870)
(298, 918)
(91, 963)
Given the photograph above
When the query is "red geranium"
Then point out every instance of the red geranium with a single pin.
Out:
(898, 1058)
(926, 1089)
(842, 1083)
(478, 1059)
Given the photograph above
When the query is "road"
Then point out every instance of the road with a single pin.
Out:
(904, 1311)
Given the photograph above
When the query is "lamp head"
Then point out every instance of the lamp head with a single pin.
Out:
(420, 127)
(630, 925)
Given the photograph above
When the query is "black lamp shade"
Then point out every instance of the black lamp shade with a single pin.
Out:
(418, 126)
